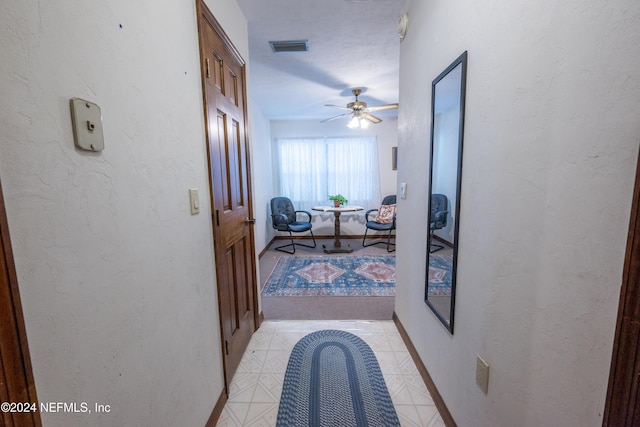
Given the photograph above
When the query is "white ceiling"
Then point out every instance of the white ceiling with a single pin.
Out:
(352, 43)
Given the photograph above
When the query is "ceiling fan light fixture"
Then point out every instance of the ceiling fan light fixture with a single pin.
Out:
(358, 122)
(361, 116)
(354, 123)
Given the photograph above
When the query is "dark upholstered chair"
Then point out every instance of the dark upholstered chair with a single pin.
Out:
(285, 218)
(373, 225)
(438, 218)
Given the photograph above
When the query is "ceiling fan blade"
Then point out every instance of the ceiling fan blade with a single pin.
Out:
(337, 106)
(371, 117)
(335, 117)
(383, 107)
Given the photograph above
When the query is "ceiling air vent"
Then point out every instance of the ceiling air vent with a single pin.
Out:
(290, 46)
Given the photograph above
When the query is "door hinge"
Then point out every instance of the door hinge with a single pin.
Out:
(226, 347)
(206, 65)
(218, 217)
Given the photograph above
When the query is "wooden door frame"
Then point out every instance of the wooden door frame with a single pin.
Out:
(203, 11)
(623, 390)
(15, 369)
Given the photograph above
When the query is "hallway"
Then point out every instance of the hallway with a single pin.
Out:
(254, 393)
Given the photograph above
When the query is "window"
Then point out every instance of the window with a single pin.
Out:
(311, 169)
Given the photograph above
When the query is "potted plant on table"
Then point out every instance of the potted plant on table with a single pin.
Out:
(338, 200)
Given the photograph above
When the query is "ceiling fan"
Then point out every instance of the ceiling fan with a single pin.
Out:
(359, 111)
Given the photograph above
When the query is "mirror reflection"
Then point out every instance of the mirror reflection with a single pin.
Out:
(445, 171)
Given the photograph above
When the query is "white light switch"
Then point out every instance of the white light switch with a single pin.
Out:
(403, 190)
(482, 374)
(86, 119)
(194, 201)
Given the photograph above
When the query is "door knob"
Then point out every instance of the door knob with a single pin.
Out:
(248, 220)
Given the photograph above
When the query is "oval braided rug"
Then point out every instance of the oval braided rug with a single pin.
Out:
(333, 379)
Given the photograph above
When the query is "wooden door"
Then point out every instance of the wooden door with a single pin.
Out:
(223, 74)
(622, 407)
(16, 379)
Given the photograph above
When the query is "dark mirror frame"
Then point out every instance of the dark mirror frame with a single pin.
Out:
(461, 60)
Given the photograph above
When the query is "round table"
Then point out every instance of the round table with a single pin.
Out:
(337, 244)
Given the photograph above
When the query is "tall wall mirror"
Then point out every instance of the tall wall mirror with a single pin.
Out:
(445, 172)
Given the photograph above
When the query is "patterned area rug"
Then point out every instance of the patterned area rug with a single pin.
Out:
(313, 275)
(440, 267)
(333, 379)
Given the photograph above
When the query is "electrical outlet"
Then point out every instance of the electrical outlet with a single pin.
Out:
(482, 374)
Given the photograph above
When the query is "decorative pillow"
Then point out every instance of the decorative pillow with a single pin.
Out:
(385, 214)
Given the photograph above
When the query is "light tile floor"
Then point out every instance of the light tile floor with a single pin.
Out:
(254, 393)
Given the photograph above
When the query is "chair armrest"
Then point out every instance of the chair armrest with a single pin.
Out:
(441, 215)
(366, 214)
(283, 216)
(306, 213)
(439, 220)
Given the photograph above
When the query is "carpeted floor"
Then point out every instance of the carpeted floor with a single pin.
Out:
(323, 307)
(439, 291)
(440, 266)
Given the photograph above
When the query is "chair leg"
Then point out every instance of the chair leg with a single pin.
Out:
(365, 237)
(307, 246)
(433, 245)
(390, 244)
(437, 248)
(293, 245)
(379, 242)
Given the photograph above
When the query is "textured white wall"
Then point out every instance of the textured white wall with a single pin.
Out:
(550, 152)
(386, 134)
(263, 189)
(116, 277)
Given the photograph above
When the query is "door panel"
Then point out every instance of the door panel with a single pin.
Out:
(16, 379)
(223, 74)
(622, 407)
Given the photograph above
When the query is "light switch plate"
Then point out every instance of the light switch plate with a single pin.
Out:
(403, 190)
(194, 201)
(86, 119)
(482, 374)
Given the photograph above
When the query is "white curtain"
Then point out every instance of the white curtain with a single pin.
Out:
(311, 169)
